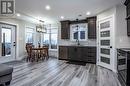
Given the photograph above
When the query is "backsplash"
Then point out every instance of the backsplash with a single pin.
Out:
(89, 42)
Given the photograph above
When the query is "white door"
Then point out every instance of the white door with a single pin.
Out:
(105, 43)
(7, 42)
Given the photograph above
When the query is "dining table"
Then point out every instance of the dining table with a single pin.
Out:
(39, 53)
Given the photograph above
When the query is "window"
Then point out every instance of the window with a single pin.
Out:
(46, 39)
(50, 38)
(79, 31)
(54, 38)
(29, 35)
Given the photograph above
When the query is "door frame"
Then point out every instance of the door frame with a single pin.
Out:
(113, 60)
(16, 38)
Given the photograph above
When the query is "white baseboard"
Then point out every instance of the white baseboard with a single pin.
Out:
(5, 59)
(21, 57)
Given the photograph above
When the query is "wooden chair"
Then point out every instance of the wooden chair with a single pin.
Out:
(41, 53)
(36, 54)
(46, 52)
(29, 51)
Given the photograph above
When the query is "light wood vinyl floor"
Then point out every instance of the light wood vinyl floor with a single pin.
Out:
(58, 73)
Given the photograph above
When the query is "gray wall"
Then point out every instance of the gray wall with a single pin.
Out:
(121, 38)
(20, 52)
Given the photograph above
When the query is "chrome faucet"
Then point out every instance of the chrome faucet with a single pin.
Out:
(77, 40)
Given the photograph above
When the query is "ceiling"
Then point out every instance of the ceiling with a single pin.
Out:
(70, 9)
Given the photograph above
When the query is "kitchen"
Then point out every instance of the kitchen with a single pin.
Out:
(87, 45)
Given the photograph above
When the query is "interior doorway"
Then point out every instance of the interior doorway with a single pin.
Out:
(7, 42)
(105, 42)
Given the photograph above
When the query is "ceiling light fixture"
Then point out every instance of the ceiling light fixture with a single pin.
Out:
(47, 7)
(18, 15)
(41, 27)
(62, 17)
(88, 13)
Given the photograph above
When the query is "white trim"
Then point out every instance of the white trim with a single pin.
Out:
(114, 45)
(107, 56)
(53, 49)
(105, 38)
(104, 29)
(104, 18)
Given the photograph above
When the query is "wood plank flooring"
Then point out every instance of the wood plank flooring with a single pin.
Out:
(58, 73)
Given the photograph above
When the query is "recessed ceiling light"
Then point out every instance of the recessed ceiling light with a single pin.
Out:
(88, 13)
(18, 14)
(62, 17)
(47, 7)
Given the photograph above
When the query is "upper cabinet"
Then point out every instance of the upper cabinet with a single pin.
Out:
(127, 3)
(91, 27)
(65, 29)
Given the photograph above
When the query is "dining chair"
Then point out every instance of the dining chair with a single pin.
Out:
(29, 51)
(46, 52)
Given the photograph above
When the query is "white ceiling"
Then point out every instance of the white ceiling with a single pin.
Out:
(68, 8)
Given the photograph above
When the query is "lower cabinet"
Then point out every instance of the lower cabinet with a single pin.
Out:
(89, 54)
(63, 53)
(78, 53)
(74, 53)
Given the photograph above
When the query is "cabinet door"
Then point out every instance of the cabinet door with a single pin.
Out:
(85, 54)
(72, 53)
(92, 28)
(92, 54)
(63, 52)
(128, 27)
(75, 53)
(65, 30)
(79, 54)
(128, 9)
(89, 54)
(127, 3)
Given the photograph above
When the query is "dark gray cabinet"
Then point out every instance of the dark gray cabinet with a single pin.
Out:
(74, 53)
(89, 54)
(127, 3)
(78, 53)
(128, 27)
(65, 29)
(91, 27)
(63, 52)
